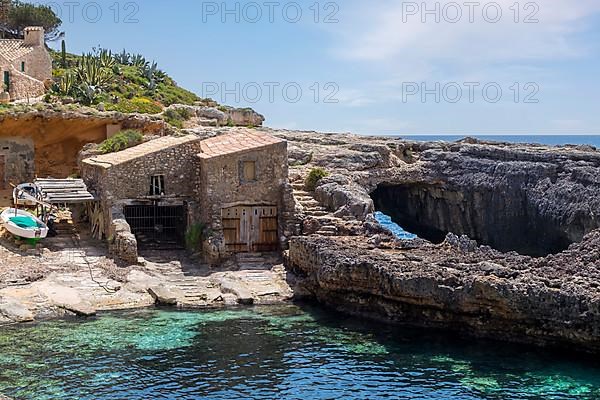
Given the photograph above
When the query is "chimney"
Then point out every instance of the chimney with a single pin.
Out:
(34, 36)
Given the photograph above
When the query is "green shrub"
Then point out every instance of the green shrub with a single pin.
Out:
(195, 235)
(142, 105)
(314, 177)
(121, 141)
(176, 117)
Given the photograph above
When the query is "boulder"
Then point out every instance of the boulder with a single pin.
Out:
(163, 295)
(14, 310)
(82, 309)
(238, 289)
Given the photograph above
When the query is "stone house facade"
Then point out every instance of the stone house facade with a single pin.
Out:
(244, 192)
(131, 185)
(233, 188)
(25, 65)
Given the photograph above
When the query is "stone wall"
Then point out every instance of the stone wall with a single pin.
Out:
(19, 160)
(128, 183)
(38, 64)
(131, 180)
(23, 86)
(221, 186)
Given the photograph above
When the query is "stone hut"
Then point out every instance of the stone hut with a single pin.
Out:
(244, 193)
(144, 193)
(232, 188)
(25, 65)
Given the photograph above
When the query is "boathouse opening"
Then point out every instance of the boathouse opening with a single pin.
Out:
(157, 227)
(504, 220)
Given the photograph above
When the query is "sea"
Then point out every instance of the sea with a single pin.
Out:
(550, 140)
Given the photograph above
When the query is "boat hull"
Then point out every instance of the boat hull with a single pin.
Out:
(25, 195)
(39, 232)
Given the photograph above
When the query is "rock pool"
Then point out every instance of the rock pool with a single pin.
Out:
(283, 352)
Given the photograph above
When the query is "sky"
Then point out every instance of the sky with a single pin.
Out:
(372, 67)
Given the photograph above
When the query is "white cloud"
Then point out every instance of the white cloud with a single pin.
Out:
(375, 32)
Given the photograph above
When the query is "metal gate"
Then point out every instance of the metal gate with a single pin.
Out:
(159, 227)
(250, 228)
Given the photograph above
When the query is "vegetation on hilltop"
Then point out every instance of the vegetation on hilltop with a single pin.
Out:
(122, 82)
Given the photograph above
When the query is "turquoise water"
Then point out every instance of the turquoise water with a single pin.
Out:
(397, 230)
(551, 140)
(287, 352)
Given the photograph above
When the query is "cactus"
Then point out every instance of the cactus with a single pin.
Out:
(87, 94)
(63, 53)
(66, 84)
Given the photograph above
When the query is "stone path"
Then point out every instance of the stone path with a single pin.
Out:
(80, 279)
(254, 278)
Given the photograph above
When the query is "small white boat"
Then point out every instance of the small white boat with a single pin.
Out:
(23, 224)
(26, 194)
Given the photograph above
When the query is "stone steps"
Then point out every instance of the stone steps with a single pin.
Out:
(328, 230)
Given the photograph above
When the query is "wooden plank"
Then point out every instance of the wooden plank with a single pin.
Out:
(69, 197)
(58, 180)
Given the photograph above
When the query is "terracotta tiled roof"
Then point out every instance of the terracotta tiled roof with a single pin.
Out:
(235, 143)
(13, 49)
(144, 149)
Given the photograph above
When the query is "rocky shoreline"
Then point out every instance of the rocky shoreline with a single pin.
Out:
(526, 270)
(533, 274)
(459, 286)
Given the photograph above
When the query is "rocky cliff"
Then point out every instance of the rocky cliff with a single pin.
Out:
(527, 269)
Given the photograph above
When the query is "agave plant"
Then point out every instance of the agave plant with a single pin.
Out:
(87, 94)
(90, 72)
(151, 85)
(139, 61)
(148, 71)
(123, 58)
(106, 59)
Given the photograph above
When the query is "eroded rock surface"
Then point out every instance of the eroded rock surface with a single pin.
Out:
(527, 270)
(481, 292)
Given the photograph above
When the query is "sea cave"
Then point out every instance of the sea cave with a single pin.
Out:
(504, 220)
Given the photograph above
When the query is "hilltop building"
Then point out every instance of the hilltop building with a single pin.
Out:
(25, 65)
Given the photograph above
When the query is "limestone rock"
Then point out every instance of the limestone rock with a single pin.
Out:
(14, 310)
(163, 296)
(82, 309)
(237, 288)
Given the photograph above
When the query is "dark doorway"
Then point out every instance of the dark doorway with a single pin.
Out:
(157, 227)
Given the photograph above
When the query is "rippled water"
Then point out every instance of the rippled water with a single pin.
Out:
(287, 352)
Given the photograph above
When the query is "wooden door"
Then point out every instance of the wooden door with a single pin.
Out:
(232, 225)
(2, 177)
(266, 236)
(248, 228)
